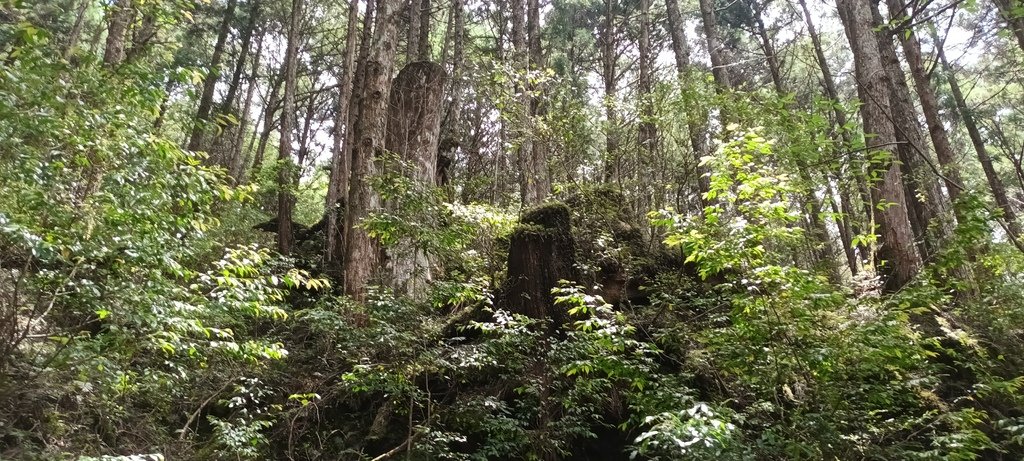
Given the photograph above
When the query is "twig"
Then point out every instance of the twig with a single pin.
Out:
(394, 451)
(195, 414)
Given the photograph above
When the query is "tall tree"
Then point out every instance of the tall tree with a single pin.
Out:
(361, 253)
(900, 259)
(239, 155)
(716, 47)
(539, 184)
(76, 30)
(929, 103)
(849, 221)
(423, 48)
(645, 83)
(341, 167)
(210, 80)
(270, 108)
(412, 39)
(285, 198)
(243, 56)
(820, 243)
(925, 200)
(995, 183)
(609, 75)
(119, 15)
(696, 115)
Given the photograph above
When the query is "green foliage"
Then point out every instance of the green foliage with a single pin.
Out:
(140, 313)
(695, 433)
(100, 221)
(808, 373)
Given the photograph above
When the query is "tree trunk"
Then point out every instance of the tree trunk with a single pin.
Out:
(341, 164)
(609, 74)
(118, 16)
(195, 141)
(536, 157)
(361, 253)
(451, 125)
(285, 198)
(528, 179)
(716, 49)
(923, 192)
(413, 132)
(243, 55)
(770, 55)
(677, 33)
(647, 130)
(842, 131)
(269, 111)
(696, 117)
(820, 243)
(929, 105)
(994, 182)
(412, 40)
(423, 50)
(1009, 10)
(238, 156)
(845, 234)
(901, 261)
(142, 36)
(76, 31)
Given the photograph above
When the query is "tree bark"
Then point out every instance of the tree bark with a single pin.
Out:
(901, 261)
(285, 198)
(696, 117)
(929, 105)
(76, 30)
(142, 36)
(536, 157)
(423, 50)
(677, 33)
(845, 231)
(647, 130)
(609, 75)
(269, 114)
(716, 48)
(195, 141)
(118, 16)
(238, 156)
(413, 132)
(412, 40)
(341, 164)
(923, 192)
(528, 179)
(361, 253)
(770, 55)
(243, 55)
(849, 219)
(453, 115)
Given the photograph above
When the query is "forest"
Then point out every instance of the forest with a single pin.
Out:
(511, 229)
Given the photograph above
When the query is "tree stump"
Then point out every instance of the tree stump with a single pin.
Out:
(413, 131)
(541, 253)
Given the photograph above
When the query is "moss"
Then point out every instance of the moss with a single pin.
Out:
(523, 230)
(554, 215)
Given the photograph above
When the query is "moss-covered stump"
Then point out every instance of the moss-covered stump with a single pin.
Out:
(541, 252)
